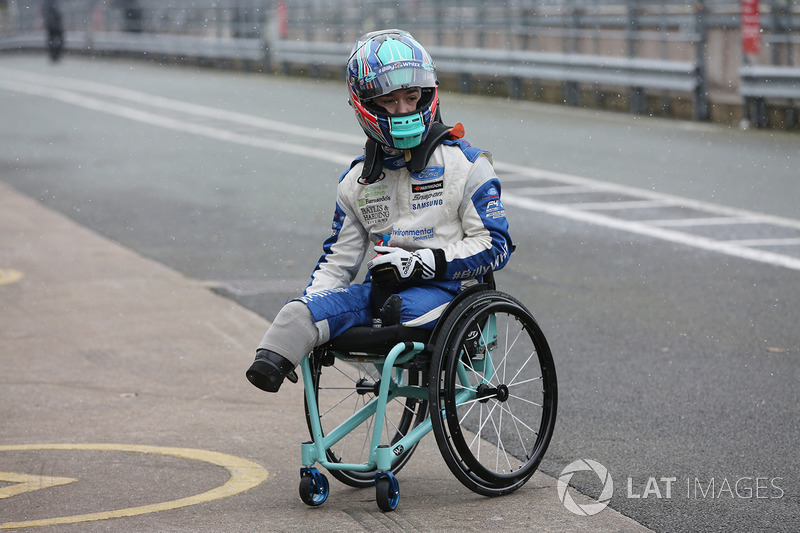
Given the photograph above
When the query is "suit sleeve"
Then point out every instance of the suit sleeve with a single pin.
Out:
(486, 244)
(343, 251)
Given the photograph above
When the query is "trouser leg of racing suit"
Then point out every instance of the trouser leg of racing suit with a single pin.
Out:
(292, 333)
(316, 318)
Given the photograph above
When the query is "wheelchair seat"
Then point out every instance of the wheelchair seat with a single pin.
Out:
(367, 339)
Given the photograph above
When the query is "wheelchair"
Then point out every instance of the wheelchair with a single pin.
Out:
(483, 380)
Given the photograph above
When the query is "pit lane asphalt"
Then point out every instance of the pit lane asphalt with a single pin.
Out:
(110, 358)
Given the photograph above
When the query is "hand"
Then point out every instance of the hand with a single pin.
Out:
(393, 265)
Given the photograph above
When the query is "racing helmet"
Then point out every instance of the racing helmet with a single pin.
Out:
(384, 61)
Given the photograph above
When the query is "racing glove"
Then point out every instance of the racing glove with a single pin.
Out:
(393, 265)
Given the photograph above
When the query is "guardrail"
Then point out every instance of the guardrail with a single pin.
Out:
(635, 74)
(217, 50)
(759, 83)
(660, 52)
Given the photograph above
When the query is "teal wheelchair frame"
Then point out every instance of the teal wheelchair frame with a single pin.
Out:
(483, 381)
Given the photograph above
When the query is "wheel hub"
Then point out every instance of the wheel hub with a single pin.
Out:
(485, 393)
(364, 386)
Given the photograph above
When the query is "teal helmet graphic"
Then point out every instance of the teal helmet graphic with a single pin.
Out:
(382, 62)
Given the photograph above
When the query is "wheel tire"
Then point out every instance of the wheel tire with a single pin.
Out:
(387, 493)
(313, 491)
(498, 402)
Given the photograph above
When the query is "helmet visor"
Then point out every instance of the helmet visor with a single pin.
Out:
(396, 75)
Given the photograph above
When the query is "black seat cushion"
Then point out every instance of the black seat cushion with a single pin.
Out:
(364, 339)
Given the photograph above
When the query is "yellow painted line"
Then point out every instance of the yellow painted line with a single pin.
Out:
(244, 476)
(9, 275)
(29, 483)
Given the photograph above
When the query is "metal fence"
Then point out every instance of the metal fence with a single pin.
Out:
(651, 54)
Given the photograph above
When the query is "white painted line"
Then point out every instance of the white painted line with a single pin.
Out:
(175, 124)
(615, 206)
(766, 242)
(640, 228)
(705, 221)
(555, 189)
(677, 201)
(170, 104)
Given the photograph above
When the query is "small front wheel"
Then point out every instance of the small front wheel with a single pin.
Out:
(387, 491)
(314, 487)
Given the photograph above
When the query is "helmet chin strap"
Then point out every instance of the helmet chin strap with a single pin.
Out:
(416, 158)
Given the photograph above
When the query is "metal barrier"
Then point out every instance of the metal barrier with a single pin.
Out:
(558, 50)
(188, 46)
(758, 83)
(636, 74)
(153, 45)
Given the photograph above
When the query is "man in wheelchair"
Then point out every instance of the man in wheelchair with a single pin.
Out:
(425, 201)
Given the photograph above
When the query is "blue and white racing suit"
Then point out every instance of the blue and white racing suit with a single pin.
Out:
(453, 205)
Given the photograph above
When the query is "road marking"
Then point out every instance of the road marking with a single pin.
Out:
(704, 221)
(35, 84)
(766, 242)
(244, 476)
(553, 190)
(170, 104)
(659, 233)
(614, 206)
(8, 275)
(29, 483)
(147, 117)
(517, 173)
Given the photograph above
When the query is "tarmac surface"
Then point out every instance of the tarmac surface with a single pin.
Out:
(124, 406)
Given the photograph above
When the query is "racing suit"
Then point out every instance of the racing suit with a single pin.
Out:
(452, 207)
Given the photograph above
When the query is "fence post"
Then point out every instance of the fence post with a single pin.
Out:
(780, 22)
(437, 23)
(638, 101)
(269, 36)
(701, 90)
(572, 89)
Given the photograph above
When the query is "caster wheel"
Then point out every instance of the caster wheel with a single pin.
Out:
(313, 487)
(387, 491)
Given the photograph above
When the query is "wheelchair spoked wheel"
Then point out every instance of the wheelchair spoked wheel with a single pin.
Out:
(497, 393)
(344, 387)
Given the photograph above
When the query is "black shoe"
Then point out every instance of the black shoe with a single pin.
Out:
(269, 369)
